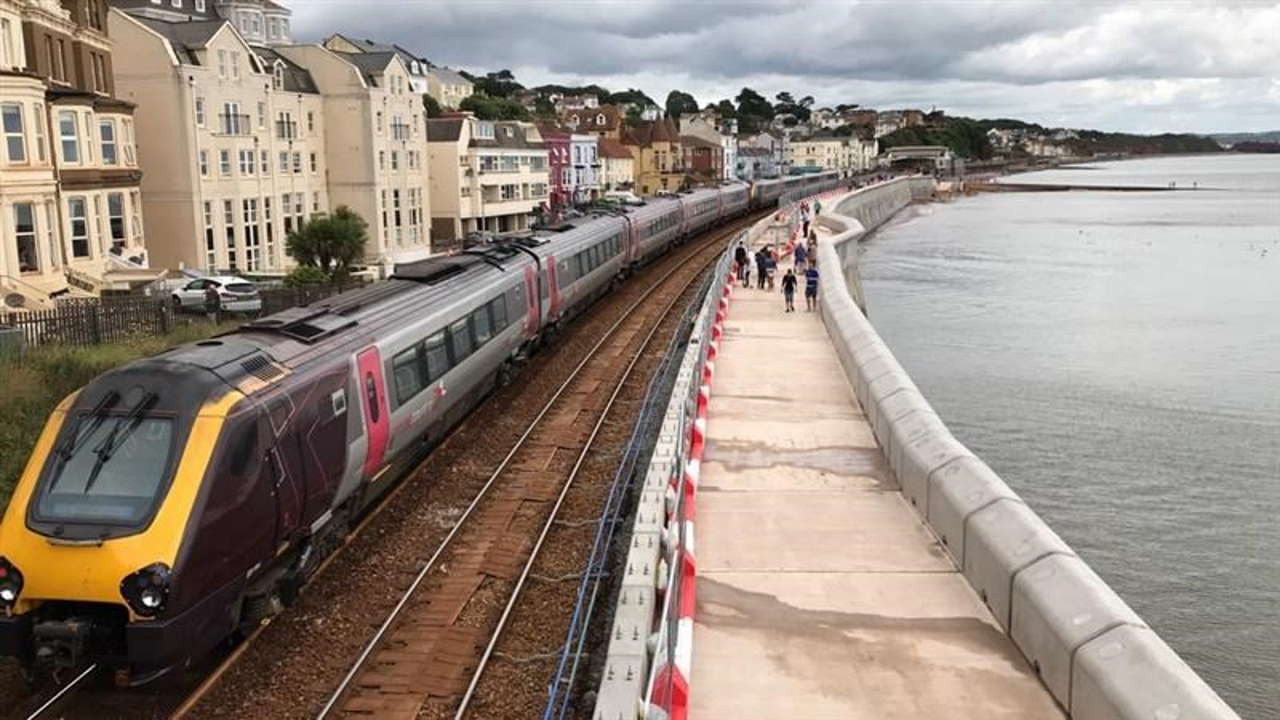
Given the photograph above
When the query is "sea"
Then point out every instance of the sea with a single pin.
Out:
(1115, 357)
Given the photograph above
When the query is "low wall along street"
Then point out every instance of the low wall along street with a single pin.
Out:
(1090, 649)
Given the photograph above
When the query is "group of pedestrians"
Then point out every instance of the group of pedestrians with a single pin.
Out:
(765, 260)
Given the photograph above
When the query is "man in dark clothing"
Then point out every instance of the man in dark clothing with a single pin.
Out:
(740, 260)
(761, 267)
(811, 288)
(789, 290)
(800, 253)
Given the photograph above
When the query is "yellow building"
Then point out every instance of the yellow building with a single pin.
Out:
(655, 148)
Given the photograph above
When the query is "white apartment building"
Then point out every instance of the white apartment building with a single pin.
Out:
(448, 87)
(233, 139)
(484, 176)
(584, 155)
(376, 136)
(70, 208)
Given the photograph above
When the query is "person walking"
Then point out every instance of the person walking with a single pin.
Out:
(761, 268)
(212, 303)
(740, 261)
(770, 265)
(789, 291)
(811, 250)
(801, 254)
(811, 288)
(804, 219)
(817, 207)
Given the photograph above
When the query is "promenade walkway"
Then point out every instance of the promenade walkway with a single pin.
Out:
(820, 592)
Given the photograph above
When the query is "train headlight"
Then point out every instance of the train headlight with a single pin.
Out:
(147, 590)
(10, 583)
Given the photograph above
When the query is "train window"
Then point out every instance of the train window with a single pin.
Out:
(437, 357)
(118, 486)
(580, 264)
(564, 275)
(482, 325)
(460, 340)
(499, 308)
(409, 370)
(542, 283)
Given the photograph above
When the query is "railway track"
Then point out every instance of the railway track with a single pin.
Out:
(489, 551)
(438, 640)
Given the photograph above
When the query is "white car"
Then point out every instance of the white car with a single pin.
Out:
(235, 294)
(624, 197)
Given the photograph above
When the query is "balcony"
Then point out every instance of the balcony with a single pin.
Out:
(400, 131)
(287, 130)
(229, 124)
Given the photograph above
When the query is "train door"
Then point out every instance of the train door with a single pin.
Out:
(632, 236)
(373, 401)
(532, 316)
(553, 289)
(284, 465)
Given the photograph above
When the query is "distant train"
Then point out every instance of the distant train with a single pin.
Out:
(181, 498)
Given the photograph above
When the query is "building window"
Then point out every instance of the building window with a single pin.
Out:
(252, 239)
(15, 137)
(314, 164)
(210, 240)
(224, 162)
(277, 76)
(378, 125)
(135, 216)
(235, 66)
(315, 202)
(24, 225)
(77, 214)
(262, 115)
(107, 130)
(265, 161)
(38, 109)
(229, 225)
(233, 123)
(395, 160)
(222, 64)
(382, 159)
(8, 46)
(204, 163)
(284, 163)
(270, 230)
(115, 218)
(88, 136)
(67, 130)
(297, 163)
(510, 192)
(311, 122)
(200, 6)
(200, 112)
(247, 162)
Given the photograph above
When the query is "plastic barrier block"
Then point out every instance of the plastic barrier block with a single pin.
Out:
(1060, 604)
(893, 408)
(1129, 673)
(956, 491)
(920, 459)
(1001, 540)
(909, 429)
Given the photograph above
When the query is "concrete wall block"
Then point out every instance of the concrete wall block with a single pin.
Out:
(871, 369)
(883, 387)
(621, 687)
(1129, 673)
(956, 491)
(1000, 541)
(920, 459)
(1059, 604)
(907, 430)
(894, 407)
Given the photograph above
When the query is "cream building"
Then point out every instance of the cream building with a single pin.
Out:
(70, 212)
(233, 139)
(448, 87)
(617, 166)
(846, 154)
(376, 141)
(484, 176)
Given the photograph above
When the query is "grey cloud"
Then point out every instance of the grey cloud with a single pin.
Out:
(1014, 51)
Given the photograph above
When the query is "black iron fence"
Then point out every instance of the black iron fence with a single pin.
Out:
(91, 321)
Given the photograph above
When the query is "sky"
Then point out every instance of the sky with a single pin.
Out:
(1138, 66)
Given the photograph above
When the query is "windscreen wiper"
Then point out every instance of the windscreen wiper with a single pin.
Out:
(110, 444)
(99, 414)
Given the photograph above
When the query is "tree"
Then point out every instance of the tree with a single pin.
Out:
(680, 103)
(494, 108)
(726, 109)
(754, 111)
(331, 244)
(500, 84)
(634, 116)
(543, 108)
(433, 108)
(788, 105)
(630, 96)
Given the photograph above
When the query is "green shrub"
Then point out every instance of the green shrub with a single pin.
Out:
(305, 276)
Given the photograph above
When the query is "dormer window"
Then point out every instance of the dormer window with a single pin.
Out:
(277, 76)
(600, 119)
(484, 130)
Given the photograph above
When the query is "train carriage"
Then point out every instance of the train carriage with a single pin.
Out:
(657, 224)
(701, 208)
(734, 198)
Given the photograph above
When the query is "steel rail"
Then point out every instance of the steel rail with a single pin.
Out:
(464, 704)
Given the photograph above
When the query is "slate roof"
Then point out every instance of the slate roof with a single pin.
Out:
(510, 135)
(296, 77)
(185, 37)
(370, 64)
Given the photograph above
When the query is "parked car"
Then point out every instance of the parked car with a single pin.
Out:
(235, 294)
(625, 197)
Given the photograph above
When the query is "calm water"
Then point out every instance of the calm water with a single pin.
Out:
(1116, 358)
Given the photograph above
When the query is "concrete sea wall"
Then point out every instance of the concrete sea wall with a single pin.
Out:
(1092, 651)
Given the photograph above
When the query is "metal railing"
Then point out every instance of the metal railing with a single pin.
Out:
(232, 124)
